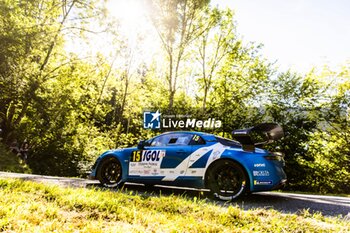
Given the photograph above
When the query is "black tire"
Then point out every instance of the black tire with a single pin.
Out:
(109, 172)
(226, 180)
(149, 186)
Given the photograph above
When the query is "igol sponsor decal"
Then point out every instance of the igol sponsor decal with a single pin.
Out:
(147, 155)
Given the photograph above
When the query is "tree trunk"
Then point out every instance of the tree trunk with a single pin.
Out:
(205, 99)
(171, 100)
(122, 107)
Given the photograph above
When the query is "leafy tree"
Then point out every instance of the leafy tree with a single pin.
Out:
(41, 85)
(329, 145)
(176, 24)
(31, 40)
(214, 45)
(237, 87)
(293, 103)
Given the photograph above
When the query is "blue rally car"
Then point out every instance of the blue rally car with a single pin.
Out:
(199, 160)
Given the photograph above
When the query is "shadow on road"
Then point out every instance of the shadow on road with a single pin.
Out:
(283, 202)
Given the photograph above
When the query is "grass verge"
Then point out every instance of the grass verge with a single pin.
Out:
(33, 207)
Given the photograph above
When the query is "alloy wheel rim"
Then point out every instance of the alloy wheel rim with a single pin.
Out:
(112, 172)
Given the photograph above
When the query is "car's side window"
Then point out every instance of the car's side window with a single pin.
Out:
(175, 139)
(160, 141)
(180, 139)
(197, 140)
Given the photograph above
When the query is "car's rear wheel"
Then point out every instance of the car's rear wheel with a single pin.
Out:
(226, 180)
(110, 172)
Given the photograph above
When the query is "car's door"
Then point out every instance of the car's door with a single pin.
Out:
(200, 153)
(164, 157)
(177, 149)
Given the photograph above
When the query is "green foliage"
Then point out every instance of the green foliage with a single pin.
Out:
(330, 155)
(67, 209)
(177, 27)
(10, 162)
(288, 103)
(316, 129)
(328, 147)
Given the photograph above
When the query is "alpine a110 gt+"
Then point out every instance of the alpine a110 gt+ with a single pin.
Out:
(228, 168)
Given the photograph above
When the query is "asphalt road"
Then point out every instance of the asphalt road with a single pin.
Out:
(283, 202)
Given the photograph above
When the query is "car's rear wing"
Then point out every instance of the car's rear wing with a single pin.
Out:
(258, 135)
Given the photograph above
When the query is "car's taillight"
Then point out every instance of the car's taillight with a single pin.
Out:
(279, 156)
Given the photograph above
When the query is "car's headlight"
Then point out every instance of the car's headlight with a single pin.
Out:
(95, 164)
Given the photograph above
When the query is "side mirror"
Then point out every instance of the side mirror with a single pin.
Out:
(141, 145)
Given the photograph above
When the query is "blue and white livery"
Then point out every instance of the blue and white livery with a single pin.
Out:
(199, 160)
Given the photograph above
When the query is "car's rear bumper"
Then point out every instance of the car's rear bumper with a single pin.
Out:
(280, 185)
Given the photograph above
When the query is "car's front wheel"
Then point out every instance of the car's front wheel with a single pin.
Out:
(226, 180)
(110, 172)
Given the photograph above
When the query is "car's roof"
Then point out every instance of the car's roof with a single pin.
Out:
(188, 132)
(208, 137)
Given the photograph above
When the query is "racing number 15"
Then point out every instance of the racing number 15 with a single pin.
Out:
(136, 156)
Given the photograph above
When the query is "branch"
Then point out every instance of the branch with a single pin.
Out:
(48, 54)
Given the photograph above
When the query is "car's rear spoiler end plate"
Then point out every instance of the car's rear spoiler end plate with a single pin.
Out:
(261, 134)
